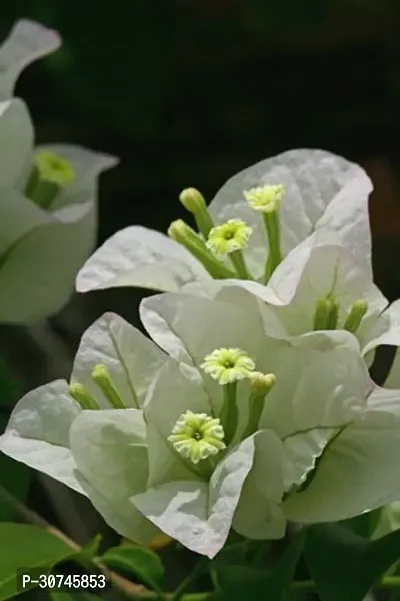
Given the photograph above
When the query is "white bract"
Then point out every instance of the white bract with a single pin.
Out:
(225, 427)
(320, 285)
(38, 433)
(321, 426)
(267, 209)
(48, 195)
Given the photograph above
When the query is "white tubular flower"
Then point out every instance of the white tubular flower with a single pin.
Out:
(228, 237)
(228, 365)
(197, 436)
(48, 209)
(265, 199)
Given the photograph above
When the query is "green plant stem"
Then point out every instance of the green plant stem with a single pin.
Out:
(199, 568)
(272, 226)
(240, 266)
(388, 582)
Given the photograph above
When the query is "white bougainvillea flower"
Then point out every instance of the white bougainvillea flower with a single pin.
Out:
(27, 42)
(38, 433)
(194, 457)
(48, 196)
(319, 286)
(322, 421)
(309, 190)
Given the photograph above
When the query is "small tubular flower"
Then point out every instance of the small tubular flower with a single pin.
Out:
(265, 199)
(228, 365)
(197, 436)
(101, 376)
(82, 396)
(228, 237)
(50, 174)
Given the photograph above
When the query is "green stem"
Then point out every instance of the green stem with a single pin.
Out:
(239, 264)
(271, 221)
(198, 570)
(256, 406)
(203, 222)
(229, 412)
(389, 582)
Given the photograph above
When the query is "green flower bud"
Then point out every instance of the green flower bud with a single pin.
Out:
(194, 202)
(261, 384)
(356, 314)
(265, 199)
(187, 237)
(82, 396)
(102, 378)
(326, 314)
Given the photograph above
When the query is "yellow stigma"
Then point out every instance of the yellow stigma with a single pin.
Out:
(197, 436)
(265, 199)
(228, 365)
(228, 237)
(54, 168)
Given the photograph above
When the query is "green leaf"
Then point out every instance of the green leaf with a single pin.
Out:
(345, 565)
(7, 385)
(365, 524)
(24, 546)
(15, 478)
(141, 562)
(90, 550)
(241, 582)
(76, 596)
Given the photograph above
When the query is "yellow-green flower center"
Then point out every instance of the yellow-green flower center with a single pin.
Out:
(265, 198)
(197, 436)
(228, 237)
(228, 365)
(54, 168)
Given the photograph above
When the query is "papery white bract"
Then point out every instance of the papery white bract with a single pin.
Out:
(39, 430)
(321, 422)
(322, 406)
(322, 192)
(41, 249)
(319, 269)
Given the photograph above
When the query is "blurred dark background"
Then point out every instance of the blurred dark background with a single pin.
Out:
(187, 92)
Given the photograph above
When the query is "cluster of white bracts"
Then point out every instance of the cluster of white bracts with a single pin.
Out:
(251, 403)
(42, 244)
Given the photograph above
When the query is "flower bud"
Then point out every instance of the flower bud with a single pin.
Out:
(194, 202)
(356, 313)
(82, 396)
(187, 237)
(265, 199)
(102, 378)
(261, 383)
